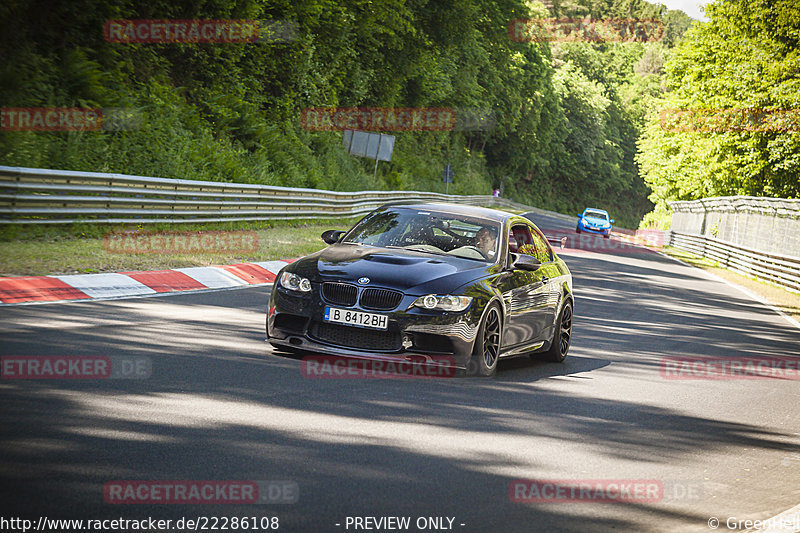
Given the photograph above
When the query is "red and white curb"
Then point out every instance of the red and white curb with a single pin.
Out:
(38, 289)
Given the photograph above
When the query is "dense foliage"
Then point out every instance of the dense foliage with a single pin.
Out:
(567, 115)
(747, 57)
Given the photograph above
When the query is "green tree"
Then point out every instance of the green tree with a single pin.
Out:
(745, 57)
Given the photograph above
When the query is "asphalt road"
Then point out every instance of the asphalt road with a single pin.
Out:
(219, 405)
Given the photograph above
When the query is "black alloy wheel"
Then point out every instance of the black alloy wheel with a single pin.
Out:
(562, 337)
(486, 350)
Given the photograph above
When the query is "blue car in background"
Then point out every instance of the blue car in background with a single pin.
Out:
(594, 221)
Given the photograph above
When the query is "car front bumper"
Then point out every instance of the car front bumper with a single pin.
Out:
(295, 322)
(604, 231)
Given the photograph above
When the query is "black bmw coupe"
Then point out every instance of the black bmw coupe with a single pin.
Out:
(427, 283)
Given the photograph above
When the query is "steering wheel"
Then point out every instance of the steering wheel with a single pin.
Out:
(424, 248)
(483, 254)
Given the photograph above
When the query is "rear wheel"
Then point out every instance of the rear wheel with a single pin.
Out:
(486, 350)
(562, 337)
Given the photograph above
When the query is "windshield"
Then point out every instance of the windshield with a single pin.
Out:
(427, 231)
(595, 214)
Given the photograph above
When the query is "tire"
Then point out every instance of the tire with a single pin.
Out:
(606, 235)
(562, 336)
(578, 229)
(486, 349)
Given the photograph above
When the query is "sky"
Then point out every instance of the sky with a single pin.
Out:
(690, 7)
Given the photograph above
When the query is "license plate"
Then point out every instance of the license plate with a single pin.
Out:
(356, 318)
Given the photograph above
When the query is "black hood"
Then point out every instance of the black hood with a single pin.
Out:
(391, 268)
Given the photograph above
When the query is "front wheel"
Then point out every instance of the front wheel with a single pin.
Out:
(578, 229)
(486, 350)
(562, 337)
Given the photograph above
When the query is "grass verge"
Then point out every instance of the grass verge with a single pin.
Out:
(786, 301)
(66, 251)
(40, 250)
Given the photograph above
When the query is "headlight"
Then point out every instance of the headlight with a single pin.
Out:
(293, 282)
(443, 303)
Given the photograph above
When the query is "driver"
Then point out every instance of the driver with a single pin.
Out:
(486, 241)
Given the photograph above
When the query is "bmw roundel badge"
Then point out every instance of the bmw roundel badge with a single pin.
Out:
(363, 281)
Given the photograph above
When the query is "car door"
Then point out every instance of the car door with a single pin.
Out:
(550, 276)
(526, 294)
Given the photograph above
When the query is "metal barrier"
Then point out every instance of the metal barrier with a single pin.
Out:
(781, 269)
(770, 225)
(42, 196)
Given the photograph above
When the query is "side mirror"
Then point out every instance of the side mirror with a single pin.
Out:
(579, 215)
(612, 220)
(526, 262)
(332, 236)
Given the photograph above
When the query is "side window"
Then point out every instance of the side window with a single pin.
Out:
(543, 251)
(520, 241)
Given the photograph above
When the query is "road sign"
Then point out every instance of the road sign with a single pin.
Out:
(447, 177)
(447, 174)
(372, 145)
(377, 146)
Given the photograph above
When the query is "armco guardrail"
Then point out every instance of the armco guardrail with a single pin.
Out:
(770, 225)
(42, 196)
(781, 269)
(752, 235)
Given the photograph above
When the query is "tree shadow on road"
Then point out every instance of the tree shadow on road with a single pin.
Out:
(220, 406)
